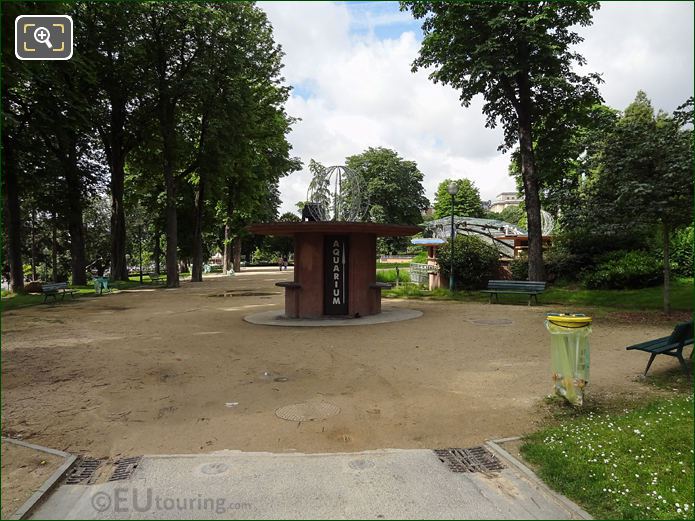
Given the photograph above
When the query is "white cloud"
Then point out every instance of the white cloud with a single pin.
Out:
(363, 92)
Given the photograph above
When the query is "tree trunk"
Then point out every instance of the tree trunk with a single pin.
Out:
(536, 269)
(33, 245)
(12, 209)
(667, 269)
(236, 247)
(227, 253)
(119, 268)
(197, 267)
(54, 248)
(157, 253)
(75, 225)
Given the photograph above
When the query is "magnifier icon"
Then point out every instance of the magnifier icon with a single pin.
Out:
(42, 35)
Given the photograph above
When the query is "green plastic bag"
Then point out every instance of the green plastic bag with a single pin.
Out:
(569, 349)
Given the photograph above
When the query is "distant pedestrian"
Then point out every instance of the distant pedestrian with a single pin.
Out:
(280, 263)
(284, 262)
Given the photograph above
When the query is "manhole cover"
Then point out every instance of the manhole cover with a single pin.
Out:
(474, 459)
(306, 412)
(493, 321)
(214, 468)
(360, 464)
(237, 293)
(83, 472)
(125, 468)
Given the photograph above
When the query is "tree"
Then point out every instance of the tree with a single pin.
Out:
(518, 56)
(467, 201)
(108, 36)
(394, 185)
(645, 175)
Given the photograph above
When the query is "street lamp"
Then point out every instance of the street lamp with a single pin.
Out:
(453, 189)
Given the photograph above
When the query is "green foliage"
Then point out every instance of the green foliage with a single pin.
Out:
(390, 275)
(467, 201)
(475, 261)
(637, 465)
(467, 46)
(260, 256)
(682, 252)
(512, 215)
(519, 268)
(624, 270)
(420, 258)
(394, 185)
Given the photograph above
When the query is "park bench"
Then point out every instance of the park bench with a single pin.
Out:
(55, 289)
(525, 287)
(671, 345)
(154, 278)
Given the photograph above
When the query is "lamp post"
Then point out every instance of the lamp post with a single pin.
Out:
(453, 189)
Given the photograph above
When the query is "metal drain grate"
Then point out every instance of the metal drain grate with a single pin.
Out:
(474, 459)
(125, 468)
(83, 472)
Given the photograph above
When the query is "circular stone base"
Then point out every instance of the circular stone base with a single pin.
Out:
(277, 318)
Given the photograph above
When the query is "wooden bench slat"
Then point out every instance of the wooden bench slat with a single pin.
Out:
(525, 287)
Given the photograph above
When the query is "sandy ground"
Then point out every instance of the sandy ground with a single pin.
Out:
(23, 471)
(150, 372)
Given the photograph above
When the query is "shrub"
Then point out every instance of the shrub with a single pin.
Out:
(519, 268)
(624, 270)
(475, 262)
(682, 252)
(420, 258)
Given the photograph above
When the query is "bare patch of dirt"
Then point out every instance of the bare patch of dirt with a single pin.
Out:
(156, 376)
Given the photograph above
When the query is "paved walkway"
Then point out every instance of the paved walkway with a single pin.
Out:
(374, 484)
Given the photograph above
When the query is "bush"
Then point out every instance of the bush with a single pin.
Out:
(682, 252)
(519, 268)
(624, 270)
(475, 262)
(420, 258)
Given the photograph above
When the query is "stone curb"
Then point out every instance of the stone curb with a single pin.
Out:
(494, 445)
(47, 485)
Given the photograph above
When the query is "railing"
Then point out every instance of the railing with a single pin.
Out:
(420, 273)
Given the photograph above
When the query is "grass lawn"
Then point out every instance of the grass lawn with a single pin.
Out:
(390, 276)
(13, 300)
(634, 299)
(629, 465)
(389, 265)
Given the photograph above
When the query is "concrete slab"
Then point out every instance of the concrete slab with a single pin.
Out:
(391, 484)
(276, 317)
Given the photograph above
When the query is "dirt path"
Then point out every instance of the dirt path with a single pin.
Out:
(147, 372)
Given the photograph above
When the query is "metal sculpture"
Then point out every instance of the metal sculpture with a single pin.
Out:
(336, 193)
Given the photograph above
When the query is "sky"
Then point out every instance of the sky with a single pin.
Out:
(349, 64)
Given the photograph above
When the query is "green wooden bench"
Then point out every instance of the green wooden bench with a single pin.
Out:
(671, 345)
(55, 289)
(154, 278)
(524, 287)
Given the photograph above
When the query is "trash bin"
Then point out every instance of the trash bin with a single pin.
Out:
(569, 348)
